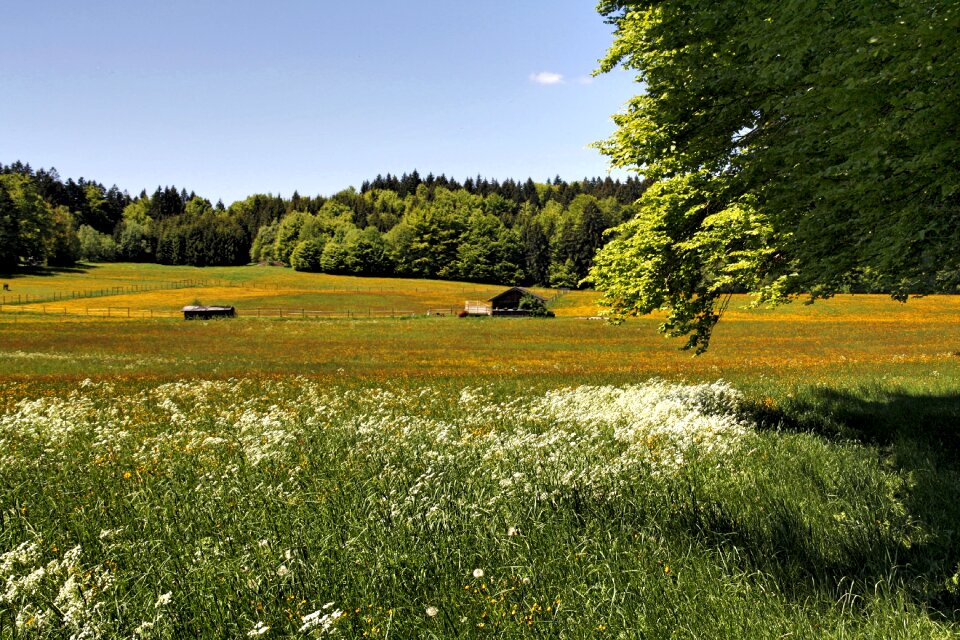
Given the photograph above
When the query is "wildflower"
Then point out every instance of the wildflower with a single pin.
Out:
(525, 580)
(164, 599)
(283, 571)
(512, 531)
(432, 612)
(478, 573)
(320, 620)
(258, 630)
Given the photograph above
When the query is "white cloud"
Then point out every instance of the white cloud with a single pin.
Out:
(547, 77)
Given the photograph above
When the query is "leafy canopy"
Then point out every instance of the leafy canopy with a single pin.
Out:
(797, 147)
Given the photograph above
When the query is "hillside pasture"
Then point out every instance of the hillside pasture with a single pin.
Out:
(162, 288)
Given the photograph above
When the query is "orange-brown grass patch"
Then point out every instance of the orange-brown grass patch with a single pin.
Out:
(744, 348)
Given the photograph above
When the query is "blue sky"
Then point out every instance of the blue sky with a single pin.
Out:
(230, 99)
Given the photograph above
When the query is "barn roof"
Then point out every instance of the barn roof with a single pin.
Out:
(513, 290)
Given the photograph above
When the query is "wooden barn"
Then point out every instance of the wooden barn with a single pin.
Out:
(509, 300)
(195, 312)
(503, 304)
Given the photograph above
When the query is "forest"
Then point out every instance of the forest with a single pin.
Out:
(478, 230)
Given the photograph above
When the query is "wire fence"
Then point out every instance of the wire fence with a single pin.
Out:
(9, 297)
(15, 312)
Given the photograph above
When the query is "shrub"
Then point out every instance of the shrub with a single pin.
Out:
(534, 307)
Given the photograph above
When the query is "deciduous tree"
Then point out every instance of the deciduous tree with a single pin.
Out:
(797, 148)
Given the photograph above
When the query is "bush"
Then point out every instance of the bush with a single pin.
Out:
(534, 307)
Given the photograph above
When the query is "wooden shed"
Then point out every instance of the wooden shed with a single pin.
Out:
(195, 312)
(503, 304)
(510, 299)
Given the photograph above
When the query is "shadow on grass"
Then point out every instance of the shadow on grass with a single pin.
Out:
(918, 435)
(872, 416)
(25, 271)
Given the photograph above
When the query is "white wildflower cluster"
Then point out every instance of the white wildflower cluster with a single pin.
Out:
(258, 630)
(147, 627)
(439, 456)
(59, 593)
(589, 436)
(202, 418)
(596, 441)
(322, 621)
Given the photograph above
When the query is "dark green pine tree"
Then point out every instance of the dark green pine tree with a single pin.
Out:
(536, 252)
(9, 232)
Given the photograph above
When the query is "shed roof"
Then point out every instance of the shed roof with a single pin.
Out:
(513, 290)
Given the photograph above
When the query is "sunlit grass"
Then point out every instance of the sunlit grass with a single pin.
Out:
(477, 477)
(167, 288)
(439, 509)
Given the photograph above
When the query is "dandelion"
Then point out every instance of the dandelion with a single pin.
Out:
(258, 630)
(432, 612)
(525, 580)
(283, 571)
(478, 573)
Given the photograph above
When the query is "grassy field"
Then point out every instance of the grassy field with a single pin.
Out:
(440, 477)
(159, 288)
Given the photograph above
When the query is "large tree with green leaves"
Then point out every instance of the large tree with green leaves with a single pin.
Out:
(797, 148)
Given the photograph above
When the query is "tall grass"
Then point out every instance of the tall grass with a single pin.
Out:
(296, 508)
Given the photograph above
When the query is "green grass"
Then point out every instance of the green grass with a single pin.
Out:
(159, 287)
(260, 501)
(257, 469)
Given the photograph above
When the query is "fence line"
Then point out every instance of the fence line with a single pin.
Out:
(259, 312)
(12, 298)
(100, 292)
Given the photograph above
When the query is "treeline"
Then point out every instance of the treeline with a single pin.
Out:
(431, 227)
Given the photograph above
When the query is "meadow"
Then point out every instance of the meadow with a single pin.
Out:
(444, 477)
